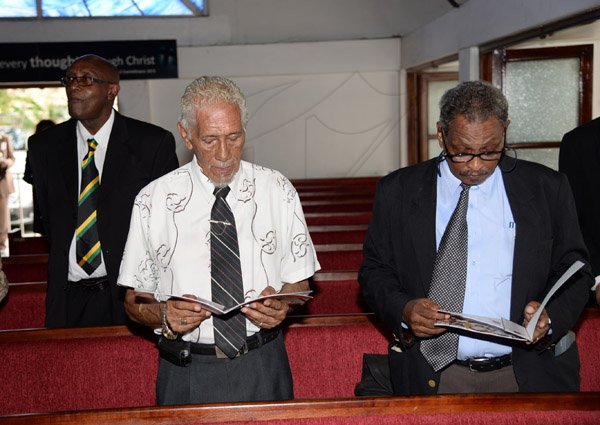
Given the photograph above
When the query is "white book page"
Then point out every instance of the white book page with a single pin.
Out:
(291, 297)
(501, 327)
(566, 275)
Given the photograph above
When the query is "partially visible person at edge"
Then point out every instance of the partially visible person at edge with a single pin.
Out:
(522, 235)
(7, 159)
(579, 159)
(170, 249)
(38, 226)
(3, 283)
(128, 155)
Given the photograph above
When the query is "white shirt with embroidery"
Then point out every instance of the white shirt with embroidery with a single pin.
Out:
(168, 247)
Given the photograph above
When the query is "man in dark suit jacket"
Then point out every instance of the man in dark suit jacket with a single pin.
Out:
(130, 154)
(400, 251)
(579, 159)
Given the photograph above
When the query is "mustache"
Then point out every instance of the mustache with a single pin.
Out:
(468, 173)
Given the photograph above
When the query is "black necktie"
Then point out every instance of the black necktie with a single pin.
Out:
(448, 282)
(88, 242)
(226, 275)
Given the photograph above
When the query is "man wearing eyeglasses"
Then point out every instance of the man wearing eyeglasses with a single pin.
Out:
(87, 221)
(512, 232)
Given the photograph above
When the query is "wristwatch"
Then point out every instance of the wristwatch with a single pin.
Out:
(167, 332)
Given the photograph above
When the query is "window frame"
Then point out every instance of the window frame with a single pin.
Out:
(418, 113)
(494, 71)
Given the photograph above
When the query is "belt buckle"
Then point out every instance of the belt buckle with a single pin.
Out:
(221, 355)
(475, 361)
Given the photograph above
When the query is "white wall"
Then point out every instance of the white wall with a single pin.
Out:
(319, 107)
(480, 21)
(329, 109)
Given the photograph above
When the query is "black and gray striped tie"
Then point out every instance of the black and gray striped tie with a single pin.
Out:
(448, 282)
(226, 275)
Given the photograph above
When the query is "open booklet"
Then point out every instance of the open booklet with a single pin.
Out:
(501, 327)
(219, 309)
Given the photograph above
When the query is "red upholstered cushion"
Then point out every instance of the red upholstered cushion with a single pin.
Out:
(588, 342)
(77, 374)
(326, 361)
(334, 297)
(24, 307)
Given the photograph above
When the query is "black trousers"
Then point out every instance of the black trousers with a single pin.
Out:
(262, 374)
(88, 306)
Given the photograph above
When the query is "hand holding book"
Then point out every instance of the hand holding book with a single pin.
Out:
(501, 327)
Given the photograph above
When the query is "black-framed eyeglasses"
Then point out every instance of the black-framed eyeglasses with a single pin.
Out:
(83, 81)
(462, 158)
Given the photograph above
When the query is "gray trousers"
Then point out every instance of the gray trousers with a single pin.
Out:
(459, 379)
(262, 374)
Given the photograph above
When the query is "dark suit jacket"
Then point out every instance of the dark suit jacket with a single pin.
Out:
(579, 159)
(400, 249)
(137, 153)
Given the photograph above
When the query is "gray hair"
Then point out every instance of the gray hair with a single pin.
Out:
(475, 100)
(206, 91)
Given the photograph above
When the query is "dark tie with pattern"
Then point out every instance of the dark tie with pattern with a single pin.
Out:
(88, 243)
(448, 282)
(226, 275)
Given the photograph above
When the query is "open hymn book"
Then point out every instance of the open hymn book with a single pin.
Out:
(218, 309)
(501, 327)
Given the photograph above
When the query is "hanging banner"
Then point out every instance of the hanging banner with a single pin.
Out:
(41, 62)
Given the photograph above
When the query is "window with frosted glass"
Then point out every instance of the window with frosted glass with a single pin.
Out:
(435, 91)
(544, 99)
(549, 92)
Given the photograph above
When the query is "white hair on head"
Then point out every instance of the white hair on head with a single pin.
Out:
(206, 91)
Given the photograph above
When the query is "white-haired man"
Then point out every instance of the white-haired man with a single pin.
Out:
(179, 226)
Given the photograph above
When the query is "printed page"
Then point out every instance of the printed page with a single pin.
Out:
(501, 327)
(482, 325)
(219, 309)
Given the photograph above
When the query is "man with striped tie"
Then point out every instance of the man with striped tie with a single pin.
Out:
(225, 230)
(87, 172)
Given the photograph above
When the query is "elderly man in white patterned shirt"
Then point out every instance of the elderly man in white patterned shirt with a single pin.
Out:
(169, 251)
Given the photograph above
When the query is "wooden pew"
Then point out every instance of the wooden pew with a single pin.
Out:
(492, 409)
(114, 368)
(26, 268)
(335, 292)
(34, 267)
(47, 370)
(20, 245)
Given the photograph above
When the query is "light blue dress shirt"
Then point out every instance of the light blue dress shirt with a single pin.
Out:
(490, 252)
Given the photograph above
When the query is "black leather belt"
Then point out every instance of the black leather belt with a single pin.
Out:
(485, 364)
(255, 341)
(93, 284)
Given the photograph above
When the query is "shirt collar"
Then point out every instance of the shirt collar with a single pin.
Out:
(451, 184)
(207, 187)
(101, 135)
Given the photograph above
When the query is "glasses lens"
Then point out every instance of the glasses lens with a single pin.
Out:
(81, 81)
(461, 158)
(491, 156)
(85, 81)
